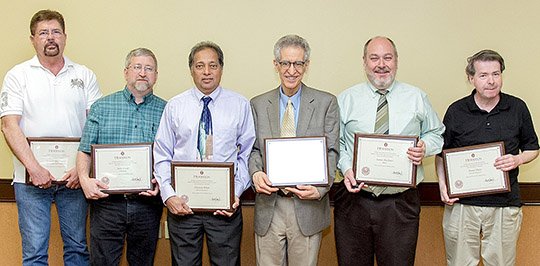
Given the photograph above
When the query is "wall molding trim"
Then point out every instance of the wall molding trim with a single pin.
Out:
(429, 193)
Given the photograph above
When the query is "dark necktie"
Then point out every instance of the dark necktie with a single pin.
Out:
(205, 129)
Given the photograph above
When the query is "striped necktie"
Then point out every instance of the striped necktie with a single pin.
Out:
(381, 127)
(381, 120)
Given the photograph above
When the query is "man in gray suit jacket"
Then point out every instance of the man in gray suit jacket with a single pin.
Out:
(289, 221)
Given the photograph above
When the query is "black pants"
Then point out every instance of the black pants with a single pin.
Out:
(385, 227)
(223, 235)
(133, 218)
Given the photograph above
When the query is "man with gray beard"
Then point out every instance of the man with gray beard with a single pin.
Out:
(131, 115)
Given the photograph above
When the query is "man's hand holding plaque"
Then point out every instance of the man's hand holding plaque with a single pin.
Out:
(477, 170)
(386, 160)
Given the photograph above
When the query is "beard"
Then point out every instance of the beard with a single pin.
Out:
(54, 52)
(380, 83)
(142, 86)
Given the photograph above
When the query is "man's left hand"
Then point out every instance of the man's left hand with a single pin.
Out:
(153, 192)
(227, 213)
(416, 154)
(72, 179)
(508, 162)
(305, 192)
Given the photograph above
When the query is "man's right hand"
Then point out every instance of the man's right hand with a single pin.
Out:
(350, 182)
(92, 188)
(262, 183)
(178, 206)
(40, 176)
(444, 195)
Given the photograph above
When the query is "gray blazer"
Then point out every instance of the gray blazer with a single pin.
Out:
(318, 116)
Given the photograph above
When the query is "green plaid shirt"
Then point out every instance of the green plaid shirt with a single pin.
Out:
(117, 119)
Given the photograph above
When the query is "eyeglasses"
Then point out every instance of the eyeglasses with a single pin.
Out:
(138, 68)
(44, 34)
(201, 67)
(298, 65)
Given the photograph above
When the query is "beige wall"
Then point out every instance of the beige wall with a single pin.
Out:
(433, 39)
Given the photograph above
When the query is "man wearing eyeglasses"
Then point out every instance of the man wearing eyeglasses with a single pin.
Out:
(127, 116)
(206, 123)
(47, 96)
(289, 221)
(378, 221)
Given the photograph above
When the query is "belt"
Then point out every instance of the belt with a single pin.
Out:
(282, 194)
(371, 195)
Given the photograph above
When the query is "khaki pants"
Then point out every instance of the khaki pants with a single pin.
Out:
(284, 244)
(471, 232)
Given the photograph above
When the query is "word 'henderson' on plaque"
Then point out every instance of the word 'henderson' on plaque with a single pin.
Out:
(382, 160)
(204, 186)
(57, 155)
(470, 170)
(125, 168)
(296, 161)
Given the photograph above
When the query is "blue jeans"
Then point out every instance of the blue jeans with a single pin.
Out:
(34, 207)
(117, 217)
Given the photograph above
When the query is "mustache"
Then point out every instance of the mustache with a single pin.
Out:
(49, 44)
(384, 68)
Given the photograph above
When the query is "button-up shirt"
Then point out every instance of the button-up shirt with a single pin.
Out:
(410, 113)
(176, 138)
(117, 119)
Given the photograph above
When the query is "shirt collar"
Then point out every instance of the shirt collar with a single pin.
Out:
(295, 99)
(130, 98)
(34, 61)
(388, 91)
(501, 105)
(214, 95)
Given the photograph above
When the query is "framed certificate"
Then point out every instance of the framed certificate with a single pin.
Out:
(205, 186)
(296, 161)
(125, 168)
(382, 160)
(57, 155)
(470, 171)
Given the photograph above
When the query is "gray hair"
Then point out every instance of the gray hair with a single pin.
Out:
(383, 37)
(140, 52)
(484, 55)
(205, 45)
(291, 40)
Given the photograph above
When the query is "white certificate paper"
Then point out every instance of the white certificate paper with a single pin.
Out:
(204, 186)
(124, 168)
(470, 171)
(296, 161)
(383, 160)
(57, 155)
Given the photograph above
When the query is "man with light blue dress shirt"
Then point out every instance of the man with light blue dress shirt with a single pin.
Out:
(375, 221)
(205, 123)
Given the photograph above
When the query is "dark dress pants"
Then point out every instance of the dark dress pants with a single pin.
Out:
(223, 235)
(117, 217)
(369, 227)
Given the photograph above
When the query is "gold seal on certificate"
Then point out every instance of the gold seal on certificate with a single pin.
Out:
(57, 155)
(470, 170)
(125, 168)
(296, 161)
(204, 186)
(382, 160)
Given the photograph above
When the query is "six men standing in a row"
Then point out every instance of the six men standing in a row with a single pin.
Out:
(50, 95)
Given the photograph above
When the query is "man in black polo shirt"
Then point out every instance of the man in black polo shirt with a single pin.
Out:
(489, 225)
